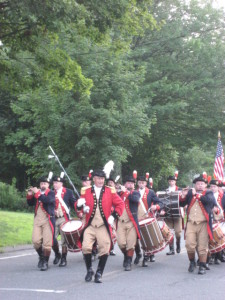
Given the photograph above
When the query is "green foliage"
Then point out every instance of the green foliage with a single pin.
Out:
(11, 199)
(138, 82)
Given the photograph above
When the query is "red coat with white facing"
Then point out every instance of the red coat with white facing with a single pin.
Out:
(108, 198)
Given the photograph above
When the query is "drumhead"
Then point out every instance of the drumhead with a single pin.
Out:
(223, 227)
(146, 221)
(161, 223)
(71, 226)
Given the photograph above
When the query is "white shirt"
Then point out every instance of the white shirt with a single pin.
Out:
(142, 191)
(172, 188)
(97, 191)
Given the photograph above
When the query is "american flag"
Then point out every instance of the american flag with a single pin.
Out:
(219, 162)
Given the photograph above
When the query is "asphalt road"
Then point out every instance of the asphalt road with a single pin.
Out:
(167, 278)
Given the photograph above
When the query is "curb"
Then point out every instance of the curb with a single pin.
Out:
(9, 249)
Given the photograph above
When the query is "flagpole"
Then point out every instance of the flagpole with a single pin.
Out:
(219, 136)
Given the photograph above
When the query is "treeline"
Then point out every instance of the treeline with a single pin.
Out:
(137, 82)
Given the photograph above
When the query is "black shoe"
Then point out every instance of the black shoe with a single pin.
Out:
(125, 261)
(40, 262)
(222, 258)
(137, 258)
(98, 277)
(201, 270)
(192, 266)
(216, 261)
(57, 258)
(44, 266)
(206, 266)
(89, 275)
(152, 258)
(63, 262)
(171, 252)
(211, 260)
(128, 265)
(112, 253)
(144, 263)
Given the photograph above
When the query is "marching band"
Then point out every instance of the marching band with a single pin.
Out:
(137, 218)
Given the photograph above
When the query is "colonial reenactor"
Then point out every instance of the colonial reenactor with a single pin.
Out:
(111, 183)
(65, 200)
(220, 200)
(86, 182)
(174, 222)
(96, 203)
(43, 200)
(148, 200)
(200, 207)
(86, 179)
(127, 226)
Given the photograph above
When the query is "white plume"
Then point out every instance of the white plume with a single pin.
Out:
(50, 174)
(108, 168)
(117, 178)
(62, 174)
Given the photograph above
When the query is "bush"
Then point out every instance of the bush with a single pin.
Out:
(11, 199)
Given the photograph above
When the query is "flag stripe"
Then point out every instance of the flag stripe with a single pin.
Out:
(219, 162)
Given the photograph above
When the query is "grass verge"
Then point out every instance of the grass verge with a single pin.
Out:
(15, 228)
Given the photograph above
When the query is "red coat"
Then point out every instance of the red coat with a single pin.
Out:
(108, 199)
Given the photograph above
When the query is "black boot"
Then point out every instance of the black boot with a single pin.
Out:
(216, 261)
(201, 270)
(40, 253)
(178, 245)
(128, 265)
(144, 262)
(63, 261)
(125, 260)
(101, 267)
(44, 266)
(152, 258)
(88, 262)
(171, 252)
(192, 266)
(138, 253)
(57, 253)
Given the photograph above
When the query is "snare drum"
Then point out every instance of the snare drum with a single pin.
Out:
(171, 204)
(218, 242)
(71, 231)
(166, 232)
(152, 240)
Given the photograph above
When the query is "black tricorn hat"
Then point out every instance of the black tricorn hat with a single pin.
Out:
(142, 178)
(129, 179)
(44, 179)
(215, 182)
(99, 173)
(58, 178)
(85, 178)
(172, 177)
(110, 179)
(200, 178)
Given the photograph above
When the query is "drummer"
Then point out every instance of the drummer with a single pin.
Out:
(215, 187)
(200, 206)
(65, 200)
(174, 222)
(148, 201)
(128, 227)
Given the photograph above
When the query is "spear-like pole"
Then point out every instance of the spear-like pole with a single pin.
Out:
(56, 157)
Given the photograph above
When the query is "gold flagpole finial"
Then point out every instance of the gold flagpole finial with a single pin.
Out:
(219, 136)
